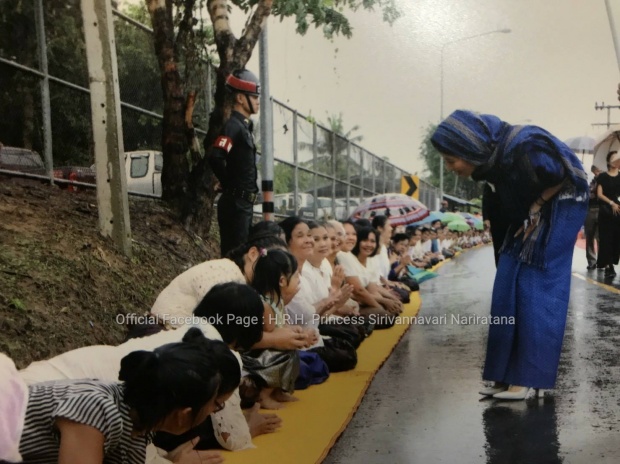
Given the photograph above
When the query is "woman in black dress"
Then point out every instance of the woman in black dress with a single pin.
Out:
(608, 192)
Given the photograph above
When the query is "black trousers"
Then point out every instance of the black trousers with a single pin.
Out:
(608, 237)
(590, 229)
(338, 354)
(234, 215)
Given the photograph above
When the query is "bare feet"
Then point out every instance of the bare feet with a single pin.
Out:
(282, 396)
(270, 403)
(260, 424)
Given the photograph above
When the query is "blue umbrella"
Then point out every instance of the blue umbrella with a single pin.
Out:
(432, 217)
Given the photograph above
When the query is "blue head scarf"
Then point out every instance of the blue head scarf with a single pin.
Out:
(470, 136)
(485, 140)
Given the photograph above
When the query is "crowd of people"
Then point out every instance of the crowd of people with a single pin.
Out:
(224, 340)
(291, 302)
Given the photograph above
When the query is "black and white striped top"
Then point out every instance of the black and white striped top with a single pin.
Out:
(98, 404)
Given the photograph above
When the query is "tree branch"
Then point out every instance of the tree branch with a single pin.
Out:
(222, 33)
(185, 26)
(247, 42)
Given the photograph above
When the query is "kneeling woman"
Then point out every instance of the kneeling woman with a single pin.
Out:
(171, 389)
(376, 304)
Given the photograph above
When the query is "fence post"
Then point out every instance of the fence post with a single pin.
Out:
(266, 127)
(105, 106)
(334, 173)
(45, 90)
(385, 187)
(362, 175)
(372, 172)
(348, 176)
(296, 168)
(314, 168)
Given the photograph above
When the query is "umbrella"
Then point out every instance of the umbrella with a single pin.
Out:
(581, 144)
(449, 217)
(609, 141)
(432, 217)
(459, 226)
(471, 219)
(400, 209)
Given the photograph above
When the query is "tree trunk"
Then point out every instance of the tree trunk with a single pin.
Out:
(174, 140)
(233, 54)
(192, 192)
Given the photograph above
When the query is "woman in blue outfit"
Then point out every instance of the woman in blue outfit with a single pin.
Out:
(543, 191)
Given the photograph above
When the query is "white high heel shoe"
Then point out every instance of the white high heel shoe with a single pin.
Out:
(521, 394)
(490, 391)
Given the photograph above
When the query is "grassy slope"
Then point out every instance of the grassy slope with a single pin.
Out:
(62, 284)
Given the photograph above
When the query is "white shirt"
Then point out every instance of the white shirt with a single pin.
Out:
(416, 251)
(327, 272)
(178, 300)
(300, 309)
(353, 268)
(426, 246)
(315, 280)
(381, 261)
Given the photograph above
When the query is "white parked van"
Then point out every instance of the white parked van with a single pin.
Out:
(143, 171)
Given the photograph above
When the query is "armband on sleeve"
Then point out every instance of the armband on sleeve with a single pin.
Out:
(224, 143)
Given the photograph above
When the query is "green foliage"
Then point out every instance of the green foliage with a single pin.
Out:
(139, 81)
(329, 15)
(284, 179)
(331, 148)
(16, 303)
(70, 109)
(452, 184)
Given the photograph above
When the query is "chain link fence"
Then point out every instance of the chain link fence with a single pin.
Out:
(44, 91)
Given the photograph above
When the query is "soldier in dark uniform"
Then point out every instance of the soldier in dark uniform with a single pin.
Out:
(233, 160)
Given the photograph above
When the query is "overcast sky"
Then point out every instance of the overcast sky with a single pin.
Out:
(549, 71)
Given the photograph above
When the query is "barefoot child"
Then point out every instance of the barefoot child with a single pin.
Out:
(276, 279)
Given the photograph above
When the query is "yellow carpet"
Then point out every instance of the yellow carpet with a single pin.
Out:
(312, 425)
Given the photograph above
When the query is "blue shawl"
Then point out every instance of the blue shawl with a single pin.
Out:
(520, 162)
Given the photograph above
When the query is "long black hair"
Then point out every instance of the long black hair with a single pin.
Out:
(269, 267)
(176, 376)
(236, 311)
(228, 365)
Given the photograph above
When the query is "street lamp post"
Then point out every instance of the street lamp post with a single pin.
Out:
(443, 48)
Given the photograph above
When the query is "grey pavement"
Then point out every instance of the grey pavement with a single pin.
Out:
(423, 406)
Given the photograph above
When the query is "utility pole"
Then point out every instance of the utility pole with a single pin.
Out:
(105, 105)
(266, 125)
(603, 106)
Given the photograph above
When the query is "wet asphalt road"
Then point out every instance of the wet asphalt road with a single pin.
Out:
(423, 406)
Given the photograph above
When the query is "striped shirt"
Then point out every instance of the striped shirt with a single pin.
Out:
(93, 403)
